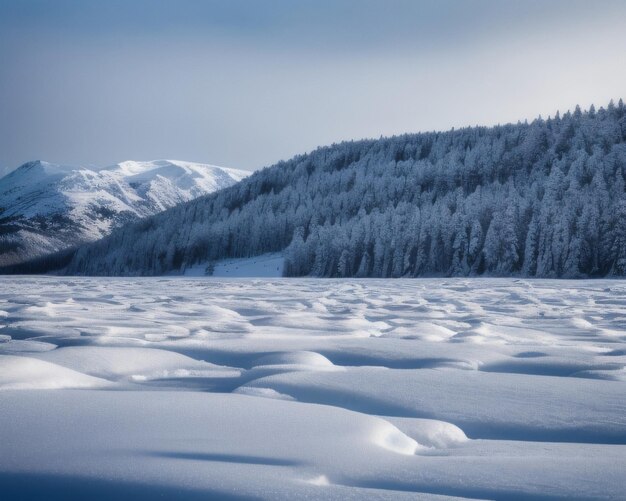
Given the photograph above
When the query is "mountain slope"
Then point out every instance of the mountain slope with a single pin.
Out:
(541, 199)
(46, 207)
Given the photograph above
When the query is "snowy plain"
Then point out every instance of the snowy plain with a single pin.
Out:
(225, 388)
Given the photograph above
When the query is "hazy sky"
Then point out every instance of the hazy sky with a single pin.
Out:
(245, 83)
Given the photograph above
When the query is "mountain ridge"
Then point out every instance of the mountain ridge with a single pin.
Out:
(46, 207)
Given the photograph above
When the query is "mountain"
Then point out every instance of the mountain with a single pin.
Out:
(45, 208)
(545, 198)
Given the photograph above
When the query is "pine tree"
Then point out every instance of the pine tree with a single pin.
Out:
(537, 199)
(618, 249)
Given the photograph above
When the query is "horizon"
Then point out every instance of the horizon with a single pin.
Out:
(244, 85)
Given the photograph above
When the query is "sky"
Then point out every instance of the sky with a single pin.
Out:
(246, 83)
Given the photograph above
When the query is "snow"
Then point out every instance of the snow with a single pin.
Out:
(265, 265)
(22, 373)
(78, 204)
(226, 388)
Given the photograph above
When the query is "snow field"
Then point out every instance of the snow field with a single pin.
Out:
(215, 388)
(266, 265)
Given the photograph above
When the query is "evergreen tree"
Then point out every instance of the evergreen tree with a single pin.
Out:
(539, 199)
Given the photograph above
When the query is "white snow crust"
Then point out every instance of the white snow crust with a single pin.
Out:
(220, 388)
(263, 266)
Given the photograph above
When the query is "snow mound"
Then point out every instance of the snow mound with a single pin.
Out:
(139, 364)
(24, 373)
(306, 358)
(391, 438)
(262, 392)
(24, 346)
(431, 432)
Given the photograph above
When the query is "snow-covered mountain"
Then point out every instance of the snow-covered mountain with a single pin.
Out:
(46, 207)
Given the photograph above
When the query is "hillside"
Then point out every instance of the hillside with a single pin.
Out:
(545, 198)
(45, 208)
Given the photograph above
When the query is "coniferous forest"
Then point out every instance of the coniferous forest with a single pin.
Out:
(539, 199)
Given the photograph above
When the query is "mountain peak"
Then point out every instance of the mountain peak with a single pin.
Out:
(53, 207)
(42, 166)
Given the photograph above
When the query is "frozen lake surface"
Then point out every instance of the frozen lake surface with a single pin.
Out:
(208, 388)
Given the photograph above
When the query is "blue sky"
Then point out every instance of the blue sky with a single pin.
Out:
(245, 83)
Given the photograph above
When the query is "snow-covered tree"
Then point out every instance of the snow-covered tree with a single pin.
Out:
(544, 198)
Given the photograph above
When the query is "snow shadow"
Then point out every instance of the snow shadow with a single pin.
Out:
(224, 458)
(39, 486)
(465, 492)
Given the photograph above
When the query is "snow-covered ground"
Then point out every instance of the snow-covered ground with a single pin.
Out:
(208, 388)
(266, 265)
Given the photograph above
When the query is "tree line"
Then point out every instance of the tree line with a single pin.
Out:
(539, 199)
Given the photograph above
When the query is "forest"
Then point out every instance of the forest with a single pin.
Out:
(539, 199)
